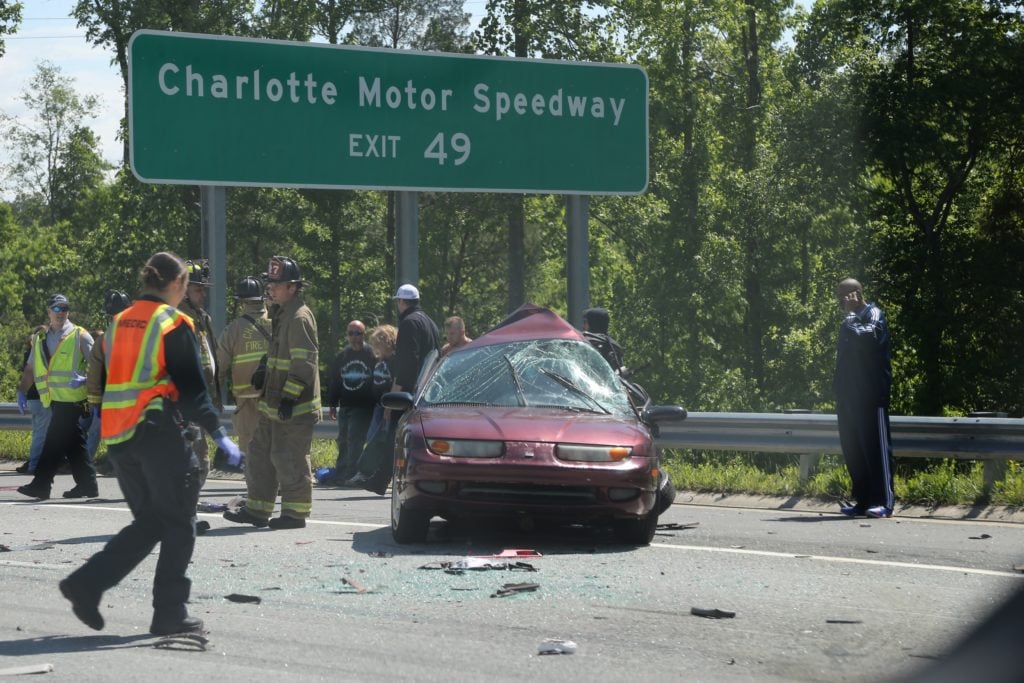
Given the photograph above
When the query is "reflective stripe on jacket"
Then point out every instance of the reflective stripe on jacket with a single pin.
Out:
(52, 378)
(240, 348)
(137, 376)
(202, 325)
(293, 370)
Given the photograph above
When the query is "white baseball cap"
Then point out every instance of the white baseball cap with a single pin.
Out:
(407, 292)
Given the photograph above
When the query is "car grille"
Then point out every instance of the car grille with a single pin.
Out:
(494, 492)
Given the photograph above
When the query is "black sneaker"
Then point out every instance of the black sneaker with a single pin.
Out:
(34, 491)
(243, 516)
(22, 468)
(284, 522)
(83, 491)
(202, 526)
(84, 604)
(167, 627)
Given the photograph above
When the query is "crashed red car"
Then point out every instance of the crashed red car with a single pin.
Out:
(528, 420)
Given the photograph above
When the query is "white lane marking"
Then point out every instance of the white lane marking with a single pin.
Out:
(832, 558)
(833, 512)
(210, 515)
(669, 546)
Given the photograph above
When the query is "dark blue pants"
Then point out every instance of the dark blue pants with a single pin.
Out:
(867, 450)
(64, 438)
(353, 423)
(159, 477)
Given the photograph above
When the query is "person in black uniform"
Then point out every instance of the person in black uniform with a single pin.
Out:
(595, 329)
(862, 384)
(417, 337)
(145, 407)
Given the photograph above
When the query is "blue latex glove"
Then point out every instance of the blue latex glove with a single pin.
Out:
(230, 449)
(76, 380)
(22, 402)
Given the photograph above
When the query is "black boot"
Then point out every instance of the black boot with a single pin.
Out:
(163, 626)
(85, 604)
(284, 522)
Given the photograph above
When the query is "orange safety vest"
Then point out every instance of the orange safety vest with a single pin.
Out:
(137, 379)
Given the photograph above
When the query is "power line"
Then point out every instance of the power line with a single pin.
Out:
(73, 35)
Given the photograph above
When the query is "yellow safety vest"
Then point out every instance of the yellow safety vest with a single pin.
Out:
(52, 378)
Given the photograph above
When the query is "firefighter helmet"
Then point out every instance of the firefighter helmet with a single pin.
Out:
(283, 269)
(115, 301)
(198, 272)
(249, 288)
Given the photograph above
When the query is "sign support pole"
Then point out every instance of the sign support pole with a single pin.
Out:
(215, 248)
(577, 270)
(407, 237)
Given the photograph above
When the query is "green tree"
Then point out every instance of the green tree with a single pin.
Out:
(52, 153)
(110, 24)
(937, 85)
(10, 18)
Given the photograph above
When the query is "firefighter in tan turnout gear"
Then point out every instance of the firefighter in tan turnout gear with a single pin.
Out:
(239, 350)
(289, 407)
(194, 306)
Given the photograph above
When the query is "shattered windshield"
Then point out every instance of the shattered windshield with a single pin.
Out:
(550, 373)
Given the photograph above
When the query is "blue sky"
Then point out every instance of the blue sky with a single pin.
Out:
(48, 32)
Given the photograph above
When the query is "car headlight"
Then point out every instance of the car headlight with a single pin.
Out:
(570, 451)
(465, 448)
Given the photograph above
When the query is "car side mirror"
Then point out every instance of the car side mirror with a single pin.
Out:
(656, 414)
(397, 400)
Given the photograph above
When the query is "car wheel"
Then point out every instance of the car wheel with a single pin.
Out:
(407, 526)
(666, 496)
(636, 531)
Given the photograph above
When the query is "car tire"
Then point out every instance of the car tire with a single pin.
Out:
(666, 496)
(638, 531)
(407, 526)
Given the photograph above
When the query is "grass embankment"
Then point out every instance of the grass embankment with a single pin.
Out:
(918, 482)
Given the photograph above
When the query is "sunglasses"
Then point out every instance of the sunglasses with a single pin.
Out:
(355, 333)
(59, 309)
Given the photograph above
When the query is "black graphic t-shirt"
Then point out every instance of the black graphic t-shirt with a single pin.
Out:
(382, 378)
(352, 379)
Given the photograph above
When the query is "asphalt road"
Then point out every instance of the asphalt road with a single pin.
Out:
(817, 597)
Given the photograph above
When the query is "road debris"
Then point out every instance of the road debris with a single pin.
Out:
(478, 564)
(27, 669)
(675, 526)
(844, 621)
(183, 641)
(982, 537)
(513, 588)
(712, 613)
(556, 646)
(212, 507)
(239, 597)
(360, 588)
(512, 553)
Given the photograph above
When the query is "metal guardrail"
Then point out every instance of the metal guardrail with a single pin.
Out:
(967, 438)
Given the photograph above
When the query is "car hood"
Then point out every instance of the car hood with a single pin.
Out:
(529, 424)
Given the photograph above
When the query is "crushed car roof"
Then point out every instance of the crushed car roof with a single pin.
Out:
(529, 321)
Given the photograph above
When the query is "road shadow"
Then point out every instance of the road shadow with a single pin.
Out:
(65, 644)
(486, 536)
(808, 519)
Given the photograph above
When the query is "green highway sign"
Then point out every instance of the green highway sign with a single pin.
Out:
(218, 110)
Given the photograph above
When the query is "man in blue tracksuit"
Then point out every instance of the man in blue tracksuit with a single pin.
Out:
(862, 384)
